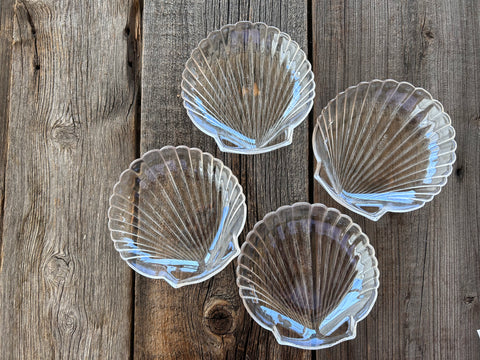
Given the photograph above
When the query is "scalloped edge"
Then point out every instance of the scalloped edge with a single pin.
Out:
(175, 283)
(282, 340)
(288, 130)
(375, 216)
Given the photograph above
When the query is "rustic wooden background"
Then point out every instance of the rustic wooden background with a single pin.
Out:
(87, 86)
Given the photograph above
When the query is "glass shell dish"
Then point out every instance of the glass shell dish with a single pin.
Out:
(248, 85)
(308, 274)
(176, 214)
(383, 146)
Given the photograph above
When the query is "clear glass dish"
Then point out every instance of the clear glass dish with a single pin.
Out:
(248, 85)
(383, 146)
(308, 274)
(175, 214)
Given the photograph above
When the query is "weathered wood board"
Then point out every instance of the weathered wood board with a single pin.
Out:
(63, 291)
(208, 320)
(86, 87)
(6, 34)
(428, 305)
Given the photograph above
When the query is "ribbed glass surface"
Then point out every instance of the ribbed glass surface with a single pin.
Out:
(308, 274)
(248, 85)
(383, 146)
(176, 214)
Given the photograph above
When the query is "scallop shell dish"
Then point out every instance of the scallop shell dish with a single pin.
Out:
(308, 274)
(248, 85)
(383, 146)
(176, 214)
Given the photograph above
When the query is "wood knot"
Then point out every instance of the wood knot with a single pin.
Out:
(67, 321)
(57, 270)
(220, 317)
(65, 134)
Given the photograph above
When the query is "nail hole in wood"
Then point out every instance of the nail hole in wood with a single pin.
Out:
(429, 34)
(459, 172)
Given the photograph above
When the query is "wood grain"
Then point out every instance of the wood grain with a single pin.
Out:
(208, 320)
(6, 33)
(64, 291)
(428, 305)
(70, 123)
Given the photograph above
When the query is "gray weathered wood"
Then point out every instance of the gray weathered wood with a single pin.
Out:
(68, 127)
(6, 33)
(64, 291)
(208, 320)
(428, 305)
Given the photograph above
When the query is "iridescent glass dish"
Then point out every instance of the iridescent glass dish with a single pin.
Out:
(176, 214)
(308, 274)
(248, 85)
(383, 146)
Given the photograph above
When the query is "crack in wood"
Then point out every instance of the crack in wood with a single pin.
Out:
(36, 60)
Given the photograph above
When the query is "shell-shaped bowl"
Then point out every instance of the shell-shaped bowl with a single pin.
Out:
(175, 214)
(308, 274)
(248, 85)
(383, 146)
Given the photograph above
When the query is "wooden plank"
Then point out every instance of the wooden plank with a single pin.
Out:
(208, 320)
(6, 33)
(64, 291)
(428, 304)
